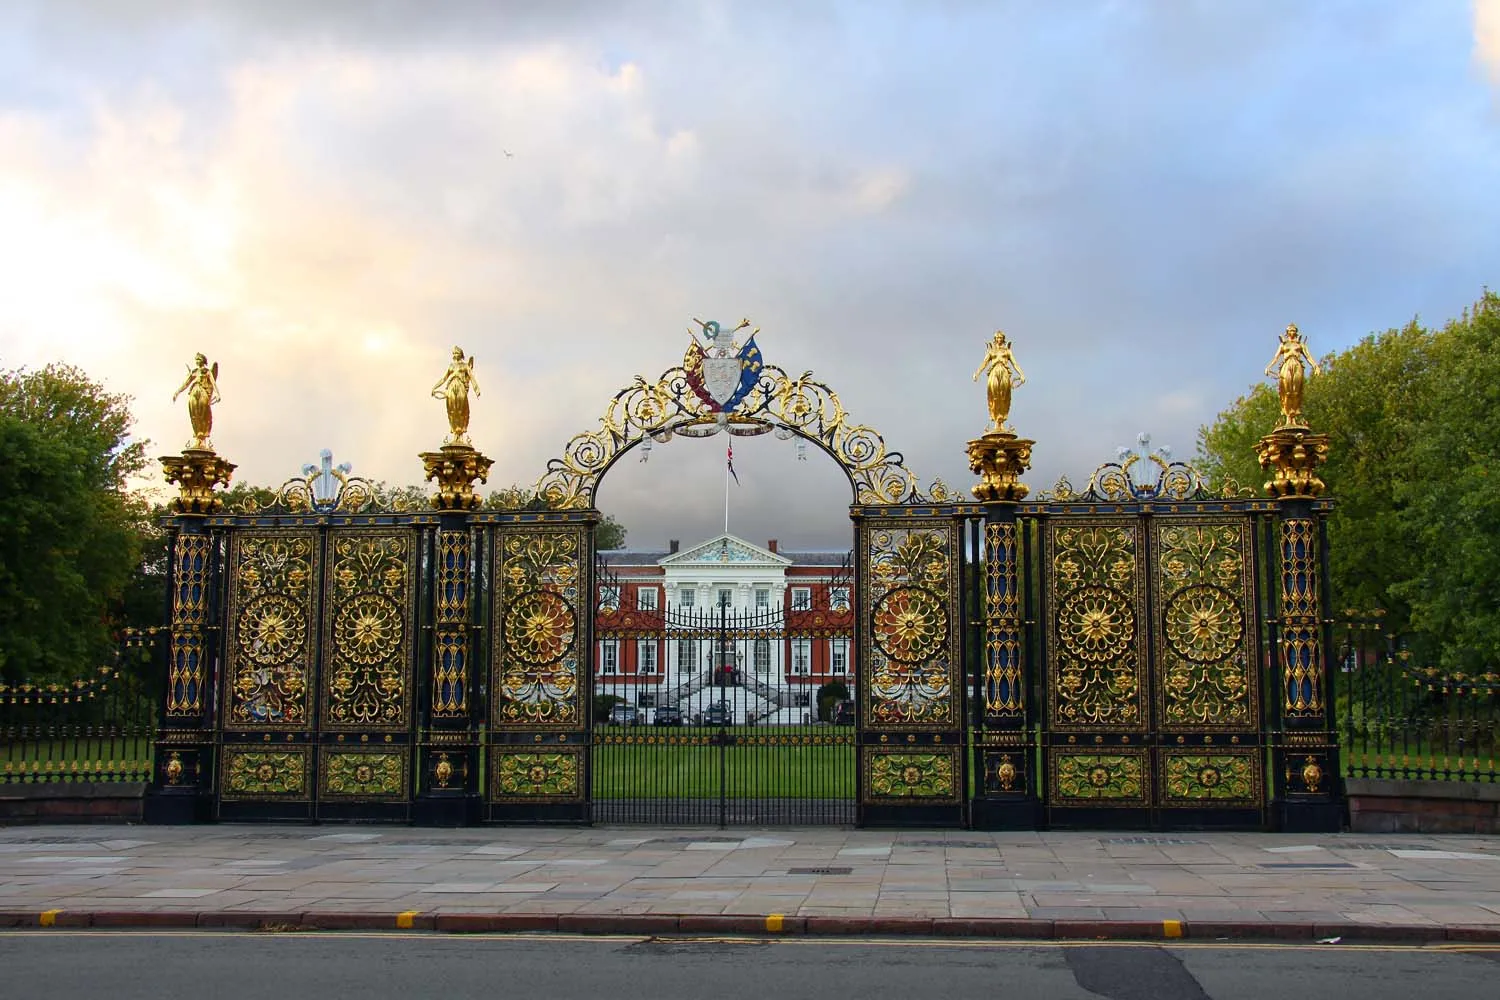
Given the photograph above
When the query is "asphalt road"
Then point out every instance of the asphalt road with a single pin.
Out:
(126, 965)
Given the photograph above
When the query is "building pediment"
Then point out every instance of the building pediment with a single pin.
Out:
(725, 550)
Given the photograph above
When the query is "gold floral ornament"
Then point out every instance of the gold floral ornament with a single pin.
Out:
(910, 625)
(1096, 624)
(1204, 623)
(539, 627)
(369, 629)
(274, 627)
(911, 776)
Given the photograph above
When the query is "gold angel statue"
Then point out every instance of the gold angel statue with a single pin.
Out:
(1288, 367)
(1004, 374)
(453, 388)
(202, 387)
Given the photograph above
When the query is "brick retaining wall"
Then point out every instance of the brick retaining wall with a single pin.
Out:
(73, 802)
(1380, 806)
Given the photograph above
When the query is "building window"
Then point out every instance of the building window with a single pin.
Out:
(838, 656)
(645, 652)
(726, 598)
(687, 655)
(609, 598)
(801, 598)
(645, 598)
(801, 656)
(686, 597)
(609, 657)
(762, 656)
(838, 598)
(762, 599)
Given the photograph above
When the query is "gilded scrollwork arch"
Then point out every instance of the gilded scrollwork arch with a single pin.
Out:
(789, 407)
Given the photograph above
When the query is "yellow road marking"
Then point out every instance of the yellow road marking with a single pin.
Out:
(49, 918)
(1171, 928)
(403, 919)
(773, 922)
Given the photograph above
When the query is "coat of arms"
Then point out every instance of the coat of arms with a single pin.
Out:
(720, 371)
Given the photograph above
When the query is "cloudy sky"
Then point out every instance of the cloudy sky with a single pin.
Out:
(326, 197)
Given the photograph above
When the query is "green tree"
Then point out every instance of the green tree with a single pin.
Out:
(1413, 419)
(70, 533)
(1448, 484)
(610, 534)
(829, 695)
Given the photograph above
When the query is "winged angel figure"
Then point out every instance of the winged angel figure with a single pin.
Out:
(453, 389)
(202, 387)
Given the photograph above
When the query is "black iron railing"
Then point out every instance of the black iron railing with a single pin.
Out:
(95, 728)
(1397, 719)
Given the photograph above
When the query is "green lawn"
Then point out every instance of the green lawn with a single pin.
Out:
(82, 759)
(1418, 760)
(693, 771)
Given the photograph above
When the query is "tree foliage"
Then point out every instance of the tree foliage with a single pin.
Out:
(70, 533)
(610, 534)
(1413, 417)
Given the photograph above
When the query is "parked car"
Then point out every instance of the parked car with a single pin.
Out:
(625, 715)
(668, 717)
(718, 714)
(843, 713)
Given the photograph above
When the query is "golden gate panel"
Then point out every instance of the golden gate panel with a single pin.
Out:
(539, 653)
(1095, 607)
(1204, 629)
(272, 622)
(368, 625)
(911, 645)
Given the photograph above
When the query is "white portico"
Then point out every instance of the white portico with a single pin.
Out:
(784, 631)
(725, 571)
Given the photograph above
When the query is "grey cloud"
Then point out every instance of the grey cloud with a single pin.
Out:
(1140, 198)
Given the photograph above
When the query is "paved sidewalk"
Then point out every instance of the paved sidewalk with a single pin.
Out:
(830, 881)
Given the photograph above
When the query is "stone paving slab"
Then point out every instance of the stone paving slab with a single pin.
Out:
(818, 880)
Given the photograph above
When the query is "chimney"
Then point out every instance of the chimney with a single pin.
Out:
(672, 545)
(771, 545)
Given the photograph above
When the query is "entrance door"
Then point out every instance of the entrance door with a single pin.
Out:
(1153, 672)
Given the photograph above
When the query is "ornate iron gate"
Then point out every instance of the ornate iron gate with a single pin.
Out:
(317, 687)
(736, 738)
(1144, 653)
(1153, 670)
(536, 739)
(912, 769)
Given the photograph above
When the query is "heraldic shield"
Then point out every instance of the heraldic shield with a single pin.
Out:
(717, 375)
